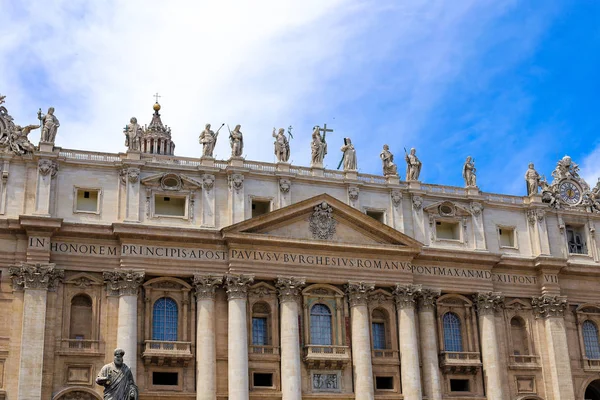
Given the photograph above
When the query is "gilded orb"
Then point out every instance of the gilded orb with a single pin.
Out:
(156, 106)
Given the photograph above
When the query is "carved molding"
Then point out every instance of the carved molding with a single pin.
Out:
(476, 208)
(206, 285)
(417, 202)
(427, 298)
(289, 289)
(47, 167)
(535, 215)
(208, 182)
(358, 292)
(285, 185)
(35, 276)
(123, 282)
(236, 286)
(406, 295)
(353, 193)
(396, 196)
(236, 182)
(488, 302)
(133, 175)
(549, 306)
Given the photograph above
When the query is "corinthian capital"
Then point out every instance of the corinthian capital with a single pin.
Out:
(488, 302)
(237, 286)
(427, 298)
(123, 282)
(205, 285)
(35, 276)
(406, 295)
(549, 306)
(289, 288)
(358, 292)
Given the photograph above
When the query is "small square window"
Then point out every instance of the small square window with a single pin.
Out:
(459, 385)
(87, 200)
(170, 206)
(384, 382)
(262, 380)
(507, 237)
(260, 207)
(165, 378)
(447, 230)
(378, 215)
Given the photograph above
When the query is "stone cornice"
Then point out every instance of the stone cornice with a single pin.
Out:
(205, 285)
(123, 282)
(549, 306)
(289, 289)
(35, 276)
(237, 286)
(427, 298)
(358, 292)
(488, 302)
(406, 295)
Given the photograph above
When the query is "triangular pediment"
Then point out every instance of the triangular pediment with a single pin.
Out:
(171, 181)
(322, 220)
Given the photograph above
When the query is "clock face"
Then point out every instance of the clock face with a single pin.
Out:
(570, 192)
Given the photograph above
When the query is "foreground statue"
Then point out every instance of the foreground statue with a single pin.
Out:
(533, 180)
(387, 158)
(133, 134)
(49, 124)
(318, 147)
(413, 165)
(282, 146)
(349, 155)
(236, 140)
(117, 380)
(468, 173)
(208, 139)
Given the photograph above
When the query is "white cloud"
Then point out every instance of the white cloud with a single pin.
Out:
(590, 167)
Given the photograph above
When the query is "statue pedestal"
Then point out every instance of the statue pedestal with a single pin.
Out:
(317, 169)
(206, 161)
(414, 185)
(392, 179)
(283, 167)
(472, 191)
(533, 199)
(351, 175)
(236, 162)
(46, 147)
(134, 155)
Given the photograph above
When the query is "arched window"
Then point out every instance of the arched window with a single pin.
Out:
(379, 328)
(260, 324)
(80, 326)
(452, 333)
(164, 320)
(519, 335)
(320, 325)
(590, 340)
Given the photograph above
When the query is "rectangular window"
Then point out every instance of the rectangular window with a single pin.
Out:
(169, 205)
(87, 200)
(259, 332)
(165, 378)
(260, 207)
(384, 382)
(576, 239)
(447, 230)
(379, 335)
(378, 215)
(262, 380)
(459, 385)
(507, 237)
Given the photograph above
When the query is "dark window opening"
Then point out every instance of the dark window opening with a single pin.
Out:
(167, 199)
(384, 382)
(378, 215)
(459, 385)
(260, 207)
(86, 195)
(262, 380)
(164, 378)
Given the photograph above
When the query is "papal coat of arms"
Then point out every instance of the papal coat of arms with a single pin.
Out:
(321, 222)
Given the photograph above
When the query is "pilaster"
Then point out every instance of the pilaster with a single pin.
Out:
(538, 231)
(285, 192)
(478, 228)
(396, 210)
(235, 182)
(47, 170)
(209, 205)
(417, 217)
(131, 177)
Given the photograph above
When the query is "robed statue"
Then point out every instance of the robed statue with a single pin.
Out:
(117, 380)
(282, 146)
(387, 158)
(236, 140)
(468, 173)
(208, 139)
(533, 180)
(49, 124)
(318, 147)
(413, 165)
(133, 135)
(349, 155)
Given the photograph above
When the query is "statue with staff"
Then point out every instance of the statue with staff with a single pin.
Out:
(49, 124)
(469, 171)
(208, 140)
(349, 157)
(282, 144)
(133, 134)
(413, 165)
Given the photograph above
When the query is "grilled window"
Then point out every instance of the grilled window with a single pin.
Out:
(320, 325)
(164, 320)
(452, 333)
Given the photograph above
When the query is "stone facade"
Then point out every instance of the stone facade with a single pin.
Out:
(287, 282)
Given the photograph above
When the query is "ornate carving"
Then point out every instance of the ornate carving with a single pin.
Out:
(236, 182)
(379, 298)
(417, 202)
(358, 292)
(205, 285)
(35, 276)
(123, 282)
(208, 182)
(47, 167)
(133, 175)
(406, 295)
(396, 197)
(325, 382)
(488, 302)
(321, 222)
(237, 286)
(476, 208)
(289, 288)
(13, 138)
(549, 306)
(427, 298)
(285, 185)
(353, 192)
(536, 215)
(123, 175)
(82, 282)
(261, 291)
(171, 182)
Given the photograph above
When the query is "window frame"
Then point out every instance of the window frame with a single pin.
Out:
(77, 189)
(177, 321)
(179, 195)
(578, 228)
(460, 332)
(383, 211)
(597, 344)
(263, 199)
(331, 324)
(515, 235)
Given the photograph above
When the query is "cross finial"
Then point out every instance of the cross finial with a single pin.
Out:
(156, 96)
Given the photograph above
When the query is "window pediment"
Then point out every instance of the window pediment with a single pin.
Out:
(171, 182)
(447, 209)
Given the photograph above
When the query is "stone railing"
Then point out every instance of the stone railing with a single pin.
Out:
(79, 346)
(460, 361)
(89, 156)
(368, 178)
(161, 352)
(326, 357)
(503, 198)
(260, 166)
(270, 350)
(524, 359)
(171, 160)
(384, 354)
(441, 189)
(590, 364)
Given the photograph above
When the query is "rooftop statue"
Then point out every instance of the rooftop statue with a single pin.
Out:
(413, 165)
(387, 158)
(49, 124)
(282, 146)
(208, 140)
(13, 138)
(117, 380)
(318, 147)
(565, 168)
(133, 134)
(468, 173)
(533, 180)
(349, 155)
(236, 140)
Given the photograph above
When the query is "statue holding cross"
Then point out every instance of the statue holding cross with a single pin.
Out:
(318, 145)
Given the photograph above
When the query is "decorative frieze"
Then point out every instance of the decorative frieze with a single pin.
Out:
(123, 282)
(205, 285)
(236, 182)
(549, 306)
(208, 182)
(285, 185)
(35, 276)
(417, 202)
(476, 208)
(289, 289)
(406, 295)
(488, 302)
(358, 292)
(133, 175)
(47, 167)
(427, 298)
(237, 286)
(396, 196)
(353, 193)
(536, 215)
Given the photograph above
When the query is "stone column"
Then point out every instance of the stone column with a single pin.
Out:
(432, 381)
(125, 284)
(487, 304)
(551, 309)
(206, 353)
(358, 294)
(35, 280)
(237, 338)
(291, 373)
(405, 296)
(47, 170)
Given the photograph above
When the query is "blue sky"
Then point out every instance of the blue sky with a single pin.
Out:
(506, 82)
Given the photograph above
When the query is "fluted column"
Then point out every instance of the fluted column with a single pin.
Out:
(358, 294)
(125, 284)
(206, 353)
(551, 309)
(405, 296)
(487, 304)
(35, 280)
(289, 295)
(237, 339)
(432, 381)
